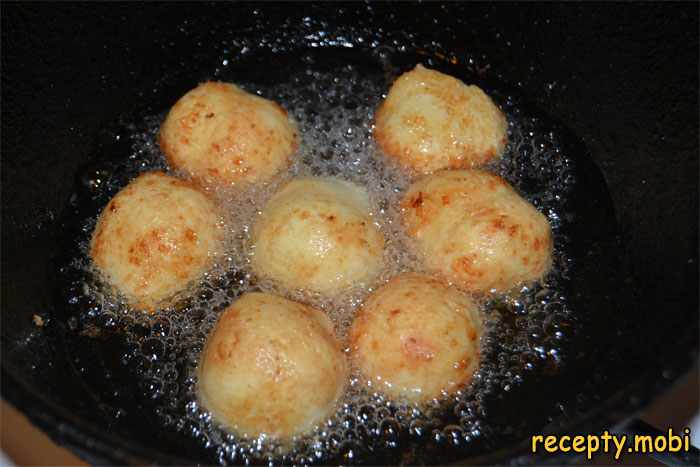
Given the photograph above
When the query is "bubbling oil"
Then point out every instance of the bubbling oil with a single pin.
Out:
(529, 334)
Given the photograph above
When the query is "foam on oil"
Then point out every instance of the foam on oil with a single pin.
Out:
(526, 333)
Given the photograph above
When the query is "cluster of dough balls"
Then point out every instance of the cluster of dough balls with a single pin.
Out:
(474, 230)
(271, 366)
(222, 135)
(431, 121)
(317, 234)
(417, 339)
(160, 233)
(154, 237)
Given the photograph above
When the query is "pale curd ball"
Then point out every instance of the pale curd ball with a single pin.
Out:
(431, 121)
(417, 339)
(474, 230)
(272, 366)
(317, 234)
(222, 135)
(155, 237)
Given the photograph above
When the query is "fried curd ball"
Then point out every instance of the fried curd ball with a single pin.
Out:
(472, 228)
(272, 366)
(222, 135)
(416, 338)
(431, 121)
(317, 234)
(154, 237)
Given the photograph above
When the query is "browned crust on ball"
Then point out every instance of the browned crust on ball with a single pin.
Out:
(472, 133)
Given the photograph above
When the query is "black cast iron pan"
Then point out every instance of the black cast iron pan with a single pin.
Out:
(619, 82)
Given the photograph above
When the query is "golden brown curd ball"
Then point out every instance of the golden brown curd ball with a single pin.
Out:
(222, 135)
(472, 228)
(431, 121)
(271, 366)
(416, 339)
(155, 237)
(317, 234)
